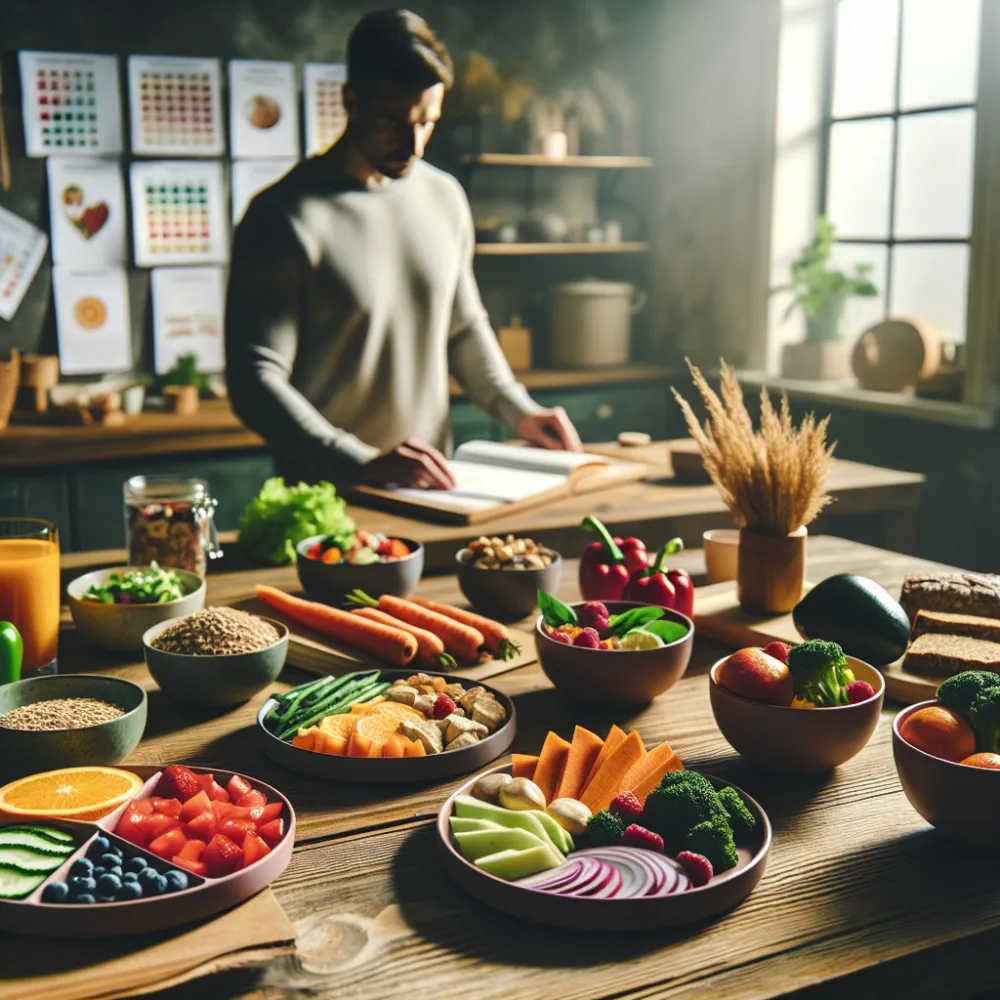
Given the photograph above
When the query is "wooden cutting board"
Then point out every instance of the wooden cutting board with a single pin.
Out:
(717, 615)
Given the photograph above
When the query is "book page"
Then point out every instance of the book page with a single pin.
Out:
(562, 463)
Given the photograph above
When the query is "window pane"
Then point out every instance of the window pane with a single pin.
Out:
(940, 52)
(858, 182)
(860, 313)
(864, 80)
(930, 282)
(934, 175)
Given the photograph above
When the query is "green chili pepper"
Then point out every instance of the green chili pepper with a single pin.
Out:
(11, 652)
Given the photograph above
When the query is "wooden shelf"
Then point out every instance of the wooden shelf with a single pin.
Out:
(529, 249)
(539, 160)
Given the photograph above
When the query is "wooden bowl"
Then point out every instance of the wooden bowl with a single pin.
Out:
(615, 677)
(332, 582)
(721, 894)
(394, 770)
(506, 593)
(962, 801)
(797, 740)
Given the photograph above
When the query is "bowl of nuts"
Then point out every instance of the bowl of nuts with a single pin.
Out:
(501, 577)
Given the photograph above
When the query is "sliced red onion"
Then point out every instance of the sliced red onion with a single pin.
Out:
(552, 878)
(608, 886)
(638, 875)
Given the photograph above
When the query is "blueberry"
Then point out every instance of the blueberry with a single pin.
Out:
(176, 880)
(108, 885)
(110, 860)
(130, 877)
(148, 878)
(135, 864)
(97, 871)
(78, 884)
(82, 867)
(98, 846)
(105, 899)
(55, 892)
(161, 885)
(85, 897)
(129, 890)
(116, 871)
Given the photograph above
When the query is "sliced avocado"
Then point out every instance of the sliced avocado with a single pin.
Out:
(24, 859)
(23, 837)
(512, 865)
(857, 614)
(481, 843)
(17, 885)
(467, 806)
(557, 834)
(466, 824)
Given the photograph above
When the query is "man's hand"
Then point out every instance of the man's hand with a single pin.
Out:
(412, 463)
(549, 429)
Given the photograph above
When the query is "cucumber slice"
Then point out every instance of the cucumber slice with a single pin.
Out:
(21, 837)
(24, 859)
(48, 832)
(17, 885)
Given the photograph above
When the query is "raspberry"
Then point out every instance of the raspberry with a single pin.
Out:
(588, 639)
(558, 636)
(639, 836)
(779, 650)
(859, 691)
(626, 805)
(594, 615)
(697, 866)
(443, 706)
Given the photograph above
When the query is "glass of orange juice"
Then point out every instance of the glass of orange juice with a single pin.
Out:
(29, 587)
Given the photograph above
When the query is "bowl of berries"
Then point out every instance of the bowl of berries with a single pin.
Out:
(614, 653)
(331, 567)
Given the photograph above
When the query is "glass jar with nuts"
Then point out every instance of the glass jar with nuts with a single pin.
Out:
(509, 553)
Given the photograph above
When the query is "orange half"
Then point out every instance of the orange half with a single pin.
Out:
(84, 793)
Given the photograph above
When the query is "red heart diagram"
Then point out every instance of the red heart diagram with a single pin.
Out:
(90, 219)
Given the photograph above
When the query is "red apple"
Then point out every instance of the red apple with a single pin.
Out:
(779, 650)
(754, 674)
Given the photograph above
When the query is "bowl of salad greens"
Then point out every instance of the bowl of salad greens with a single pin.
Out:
(112, 608)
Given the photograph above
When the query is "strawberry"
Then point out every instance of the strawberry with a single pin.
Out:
(169, 807)
(264, 814)
(177, 782)
(156, 824)
(238, 786)
(215, 791)
(221, 857)
(237, 830)
(168, 844)
(132, 827)
(196, 804)
(253, 850)
(252, 799)
(271, 833)
(195, 867)
(191, 851)
(202, 827)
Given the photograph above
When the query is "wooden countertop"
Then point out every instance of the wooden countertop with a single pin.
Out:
(861, 897)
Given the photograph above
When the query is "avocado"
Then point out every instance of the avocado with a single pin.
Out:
(482, 843)
(511, 864)
(858, 614)
(556, 833)
(467, 806)
(466, 824)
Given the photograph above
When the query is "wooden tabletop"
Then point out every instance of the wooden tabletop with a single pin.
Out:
(860, 896)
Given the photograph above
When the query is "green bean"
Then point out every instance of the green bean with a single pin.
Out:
(337, 708)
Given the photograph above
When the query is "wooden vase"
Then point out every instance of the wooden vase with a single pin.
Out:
(771, 571)
(182, 399)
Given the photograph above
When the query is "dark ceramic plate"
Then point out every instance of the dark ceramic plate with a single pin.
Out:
(381, 771)
(721, 894)
(332, 582)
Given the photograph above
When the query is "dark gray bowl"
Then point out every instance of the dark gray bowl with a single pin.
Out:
(506, 593)
(214, 680)
(27, 751)
(332, 582)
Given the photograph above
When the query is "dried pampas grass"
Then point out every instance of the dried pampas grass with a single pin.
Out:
(772, 480)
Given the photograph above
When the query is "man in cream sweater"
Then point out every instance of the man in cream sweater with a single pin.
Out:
(351, 292)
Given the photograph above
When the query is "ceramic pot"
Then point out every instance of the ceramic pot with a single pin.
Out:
(771, 571)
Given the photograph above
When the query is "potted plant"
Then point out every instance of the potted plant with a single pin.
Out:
(821, 291)
(183, 385)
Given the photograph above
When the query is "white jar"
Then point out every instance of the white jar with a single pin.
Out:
(592, 323)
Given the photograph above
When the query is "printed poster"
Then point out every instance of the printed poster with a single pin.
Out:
(326, 119)
(188, 307)
(263, 109)
(87, 211)
(249, 177)
(92, 320)
(22, 248)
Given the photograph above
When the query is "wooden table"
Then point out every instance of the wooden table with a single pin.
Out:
(860, 897)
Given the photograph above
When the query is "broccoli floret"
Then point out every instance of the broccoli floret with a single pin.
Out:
(820, 672)
(681, 800)
(740, 818)
(714, 840)
(985, 712)
(959, 692)
(604, 829)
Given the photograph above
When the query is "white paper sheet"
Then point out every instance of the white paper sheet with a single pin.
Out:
(22, 247)
(326, 119)
(92, 319)
(176, 108)
(263, 109)
(177, 213)
(71, 104)
(86, 211)
(188, 304)
(248, 177)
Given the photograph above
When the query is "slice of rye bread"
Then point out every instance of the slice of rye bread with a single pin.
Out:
(936, 655)
(955, 593)
(945, 623)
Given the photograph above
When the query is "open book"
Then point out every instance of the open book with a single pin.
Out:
(494, 479)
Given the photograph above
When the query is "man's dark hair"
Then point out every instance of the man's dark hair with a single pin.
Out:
(396, 48)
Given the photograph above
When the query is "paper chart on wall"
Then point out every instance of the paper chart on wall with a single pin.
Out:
(263, 109)
(326, 119)
(71, 103)
(188, 306)
(178, 216)
(86, 211)
(176, 108)
(92, 320)
(249, 177)
(22, 248)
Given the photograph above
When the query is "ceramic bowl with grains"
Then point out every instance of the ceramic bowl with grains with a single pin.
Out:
(501, 577)
(219, 656)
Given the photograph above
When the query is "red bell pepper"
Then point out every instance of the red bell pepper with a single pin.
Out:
(668, 588)
(607, 565)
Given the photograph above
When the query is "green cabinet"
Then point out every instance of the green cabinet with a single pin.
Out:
(469, 423)
(44, 495)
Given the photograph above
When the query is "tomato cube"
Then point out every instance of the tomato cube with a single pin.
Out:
(168, 844)
(195, 867)
(264, 814)
(156, 824)
(237, 830)
(252, 798)
(214, 790)
(202, 827)
(253, 850)
(132, 827)
(221, 857)
(238, 786)
(169, 807)
(271, 833)
(195, 805)
(191, 851)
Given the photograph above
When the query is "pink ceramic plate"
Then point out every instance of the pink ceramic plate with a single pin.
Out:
(582, 913)
(203, 898)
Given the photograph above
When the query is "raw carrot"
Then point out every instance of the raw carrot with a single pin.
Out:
(643, 776)
(614, 739)
(430, 649)
(498, 640)
(551, 762)
(583, 752)
(389, 644)
(523, 765)
(460, 640)
(607, 783)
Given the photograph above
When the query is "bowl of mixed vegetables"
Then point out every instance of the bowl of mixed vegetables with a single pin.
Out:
(112, 608)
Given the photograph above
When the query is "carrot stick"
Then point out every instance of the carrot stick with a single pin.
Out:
(430, 649)
(498, 640)
(389, 644)
(460, 640)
